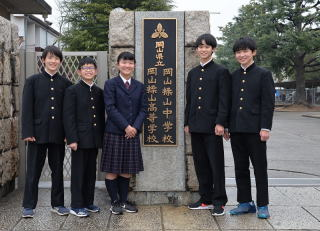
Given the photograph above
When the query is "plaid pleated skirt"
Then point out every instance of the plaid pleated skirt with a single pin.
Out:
(121, 155)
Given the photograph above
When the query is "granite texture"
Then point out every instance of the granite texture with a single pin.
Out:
(196, 24)
(9, 104)
(307, 196)
(192, 180)
(191, 61)
(185, 219)
(121, 30)
(9, 133)
(5, 35)
(148, 218)
(292, 217)
(5, 68)
(113, 55)
(164, 166)
(160, 217)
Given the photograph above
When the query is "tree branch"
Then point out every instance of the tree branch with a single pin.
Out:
(311, 61)
(312, 71)
(313, 65)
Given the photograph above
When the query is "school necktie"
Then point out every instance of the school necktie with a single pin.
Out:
(127, 84)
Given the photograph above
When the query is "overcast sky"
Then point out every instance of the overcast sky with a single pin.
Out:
(222, 12)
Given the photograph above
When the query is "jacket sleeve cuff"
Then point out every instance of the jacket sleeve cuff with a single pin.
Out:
(265, 129)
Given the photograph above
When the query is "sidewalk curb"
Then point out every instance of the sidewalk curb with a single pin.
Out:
(312, 116)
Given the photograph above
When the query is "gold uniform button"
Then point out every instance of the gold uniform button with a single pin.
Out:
(240, 108)
(241, 98)
(52, 108)
(52, 88)
(244, 72)
(199, 107)
(243, 81)
(94, 124)
(200, 88)
(93, 107)
(242, 89)
(94, 116)
(199, 97)
(52, 117)
(52, 98)
(51, 80)
(202, 70)
(91, 98)
(200, 78)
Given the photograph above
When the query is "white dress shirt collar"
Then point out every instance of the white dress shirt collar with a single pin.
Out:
(90, 85)
(203, 64)
(125, 80)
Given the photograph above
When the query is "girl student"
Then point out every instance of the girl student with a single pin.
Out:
(125, 105)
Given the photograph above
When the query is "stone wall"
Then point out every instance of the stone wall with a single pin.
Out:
(122, 38)
(9, 105)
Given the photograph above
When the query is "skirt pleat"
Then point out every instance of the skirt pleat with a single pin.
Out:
(121, 155)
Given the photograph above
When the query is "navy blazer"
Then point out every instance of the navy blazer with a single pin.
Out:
(124, 106)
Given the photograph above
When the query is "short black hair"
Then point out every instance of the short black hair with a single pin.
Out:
(87, 60)
(209, 39)
(244, 43)
(53, 50)
(126, 56)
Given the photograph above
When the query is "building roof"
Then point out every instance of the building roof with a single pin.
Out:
(26, 6)
(43, 24)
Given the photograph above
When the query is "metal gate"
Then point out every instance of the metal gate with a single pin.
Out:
(68, 69)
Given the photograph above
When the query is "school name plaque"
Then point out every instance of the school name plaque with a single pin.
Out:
(160, 68)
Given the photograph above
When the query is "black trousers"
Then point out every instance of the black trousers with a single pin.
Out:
(36, 156)
(208, 157)
(246, 147)
(83, 177)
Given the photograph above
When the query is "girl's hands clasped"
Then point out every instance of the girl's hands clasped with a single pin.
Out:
(130, 132)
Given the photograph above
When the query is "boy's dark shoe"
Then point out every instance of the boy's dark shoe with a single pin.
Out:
(60, 210)
(263, 212)
(129, 207)
(200, 205)
(93, 208)
(82, 212)
(27, 213)
(218, 210)
(242, 208)
(116, 208)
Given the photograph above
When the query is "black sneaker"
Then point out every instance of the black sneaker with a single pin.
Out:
(115, 208)
(129, 207)
(218, 210)
(200, 205)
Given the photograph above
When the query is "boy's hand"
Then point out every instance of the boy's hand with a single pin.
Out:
(264, 135)
(31, 139)
(219, 130)
(73, 146)
(186, 129)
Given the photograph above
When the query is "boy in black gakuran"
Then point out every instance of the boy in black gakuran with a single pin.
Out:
(250, 123)
(206, 115)
(84, 118)
(42, 128)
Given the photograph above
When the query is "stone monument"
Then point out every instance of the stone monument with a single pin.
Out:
(163, 43)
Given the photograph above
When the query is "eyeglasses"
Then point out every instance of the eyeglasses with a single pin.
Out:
(88, 68)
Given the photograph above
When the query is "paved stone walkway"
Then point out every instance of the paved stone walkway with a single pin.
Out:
(291, 208)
